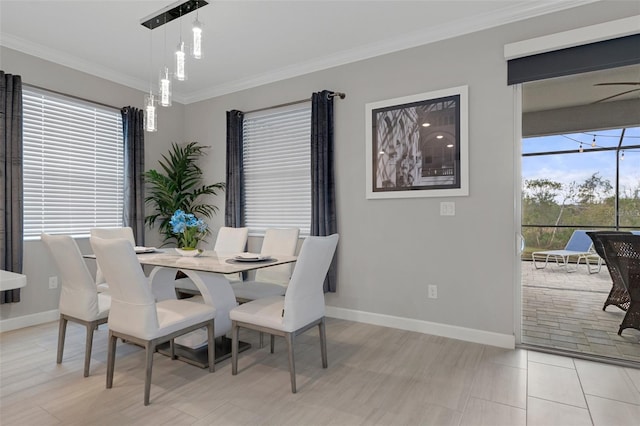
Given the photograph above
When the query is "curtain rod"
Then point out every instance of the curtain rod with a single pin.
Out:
(300, 101)
(73, 96)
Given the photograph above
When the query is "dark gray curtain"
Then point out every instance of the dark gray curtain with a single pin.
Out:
(11, 201)
(323, 193)
(133, 130)
(234, 194)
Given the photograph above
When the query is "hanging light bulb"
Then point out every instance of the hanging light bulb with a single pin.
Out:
(581, 149)
(165, 87)
(196, 46)
(593, 144)
(150, 113)
(181, 73)
(165, 80)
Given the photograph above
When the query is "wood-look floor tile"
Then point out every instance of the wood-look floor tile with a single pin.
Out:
(480, 412)
(502, 384)
(541, 412)
(607, 412)
(555, 384)
(607, 381)
(511, 357)
(551, 359)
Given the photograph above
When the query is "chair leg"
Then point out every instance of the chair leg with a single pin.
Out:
(261, 344)
(87, 347)
(234, 347)
(211, 349)
(289, 337)
(273, 342)
(111, 359)
(323, 343)
(172, 349)
(62, 331)
(150, 349)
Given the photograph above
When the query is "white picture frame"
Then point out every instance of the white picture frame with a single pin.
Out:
(418, 145)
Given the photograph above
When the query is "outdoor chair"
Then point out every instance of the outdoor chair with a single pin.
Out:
(623, 251)
(618, 296)
(579, 247)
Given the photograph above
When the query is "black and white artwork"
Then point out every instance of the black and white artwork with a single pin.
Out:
(417, 146)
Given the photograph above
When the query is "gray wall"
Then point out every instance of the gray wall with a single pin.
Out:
(390, 250)
(36, 297)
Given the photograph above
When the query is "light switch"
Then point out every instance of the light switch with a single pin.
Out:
(447, 208)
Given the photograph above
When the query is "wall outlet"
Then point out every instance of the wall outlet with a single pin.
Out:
(53, 282)
(447, 208)
(433, 292)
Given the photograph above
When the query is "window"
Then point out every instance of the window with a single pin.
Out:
(73, 165)
(277, 169)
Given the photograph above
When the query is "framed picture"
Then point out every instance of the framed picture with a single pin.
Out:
(418, 146)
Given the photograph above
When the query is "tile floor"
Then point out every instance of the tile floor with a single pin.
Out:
(564, 311)
(376, 376)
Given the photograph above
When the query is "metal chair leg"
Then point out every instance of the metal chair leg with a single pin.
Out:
(211, 349)
(323, 343)
(289, 337)
(234, 347)
(62, 331)
(150, 349)
(273, 342)
(111, 359)
(87, 347)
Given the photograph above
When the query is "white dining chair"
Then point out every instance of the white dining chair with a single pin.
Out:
(300, 309)
(80, 301)
(229, 241)
(272, 280)
(124, 232)
(135, 315)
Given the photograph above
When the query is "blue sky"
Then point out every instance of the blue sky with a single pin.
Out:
(578, 166)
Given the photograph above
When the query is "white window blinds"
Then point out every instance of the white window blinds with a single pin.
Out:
(277, 168)
(73, 165)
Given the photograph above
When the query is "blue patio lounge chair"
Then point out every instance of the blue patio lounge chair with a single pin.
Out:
(579, 247)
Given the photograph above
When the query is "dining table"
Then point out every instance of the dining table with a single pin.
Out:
(207, 271)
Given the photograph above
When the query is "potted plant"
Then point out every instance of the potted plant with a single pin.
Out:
(178, 186)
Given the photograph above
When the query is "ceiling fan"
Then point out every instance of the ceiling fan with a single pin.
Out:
(621, 83)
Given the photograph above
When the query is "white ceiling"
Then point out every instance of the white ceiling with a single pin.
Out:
(246, 43)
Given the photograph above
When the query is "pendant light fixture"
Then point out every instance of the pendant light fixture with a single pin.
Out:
(157, 19)
(181, 72)
(165, 79)
(150, 113)
(196, 43)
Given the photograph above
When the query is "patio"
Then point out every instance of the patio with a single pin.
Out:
(564, 311)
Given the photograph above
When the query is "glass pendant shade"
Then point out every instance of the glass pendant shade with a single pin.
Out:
(180, 73)
(150, 113)
(165, 88)
(196, 45)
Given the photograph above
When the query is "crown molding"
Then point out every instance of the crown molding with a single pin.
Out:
(461, 27)
(514, 13)
(73, 62)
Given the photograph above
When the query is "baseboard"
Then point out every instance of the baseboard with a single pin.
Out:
(29, 320)
(454, 332)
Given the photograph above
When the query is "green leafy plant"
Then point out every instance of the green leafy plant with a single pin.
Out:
(178, 186)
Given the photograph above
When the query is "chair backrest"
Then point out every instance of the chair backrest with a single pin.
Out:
(579, 241)
(78, 293)
(304, 300)
(596, 238)
(231, 240)
(107, 233)
(623, 251)
(133, 309)
(278, 242)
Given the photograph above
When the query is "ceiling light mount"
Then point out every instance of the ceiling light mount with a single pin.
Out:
(171, 12)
